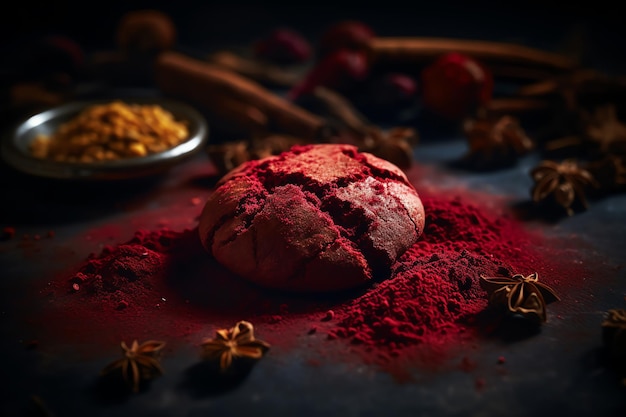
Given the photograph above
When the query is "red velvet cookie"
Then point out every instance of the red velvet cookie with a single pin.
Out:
(320, 217)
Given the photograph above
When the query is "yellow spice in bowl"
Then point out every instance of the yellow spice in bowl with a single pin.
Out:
(112, 131)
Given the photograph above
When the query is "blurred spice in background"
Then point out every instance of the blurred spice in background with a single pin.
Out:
(235, 20)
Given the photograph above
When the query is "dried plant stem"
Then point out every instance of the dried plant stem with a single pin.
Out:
(201, 82)
(416, 48)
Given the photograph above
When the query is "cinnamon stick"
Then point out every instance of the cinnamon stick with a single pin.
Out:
(394, 145)
(517, 105)
(261, 72)
(235, 115)
(583, 81)
(339, 107)
(521, 74)
(198, 81)
(416, 49)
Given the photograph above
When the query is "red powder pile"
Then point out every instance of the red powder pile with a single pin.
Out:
(162, 284)
(434, 290)
(129, 271)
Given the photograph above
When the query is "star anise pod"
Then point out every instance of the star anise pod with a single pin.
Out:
(604, 129)
(610, 172)
(520, 294)
(272, 144)
(394, 145)
(228, 156)
(614, 334)
(496, 140)
(230, 344)
(141, 362)
(565, 181)
(579, 88)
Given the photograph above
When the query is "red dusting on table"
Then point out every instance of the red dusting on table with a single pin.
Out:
(127, 270)
(162, 284)
(159, 284)
(480, 384)
(109, 232)
(121, 293)
(434, 294)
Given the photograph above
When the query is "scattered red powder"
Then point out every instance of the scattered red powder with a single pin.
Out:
(480, 383)
(162, 284)
(129, 270)
(435, 289)
(120, 293)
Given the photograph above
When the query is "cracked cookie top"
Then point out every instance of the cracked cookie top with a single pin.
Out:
(319, 217)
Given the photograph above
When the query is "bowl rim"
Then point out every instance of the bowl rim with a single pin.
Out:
(14, 153)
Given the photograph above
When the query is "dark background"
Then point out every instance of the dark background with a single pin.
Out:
(594, 31)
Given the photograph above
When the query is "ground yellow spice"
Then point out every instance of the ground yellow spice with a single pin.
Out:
(112, 131)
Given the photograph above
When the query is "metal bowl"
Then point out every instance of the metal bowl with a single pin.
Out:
(15, 147)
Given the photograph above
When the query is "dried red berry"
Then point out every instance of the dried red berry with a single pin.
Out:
(455, 85)
(347, 34)
(391, 92)
(146, 30)
(283, 46)
(340, 70)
